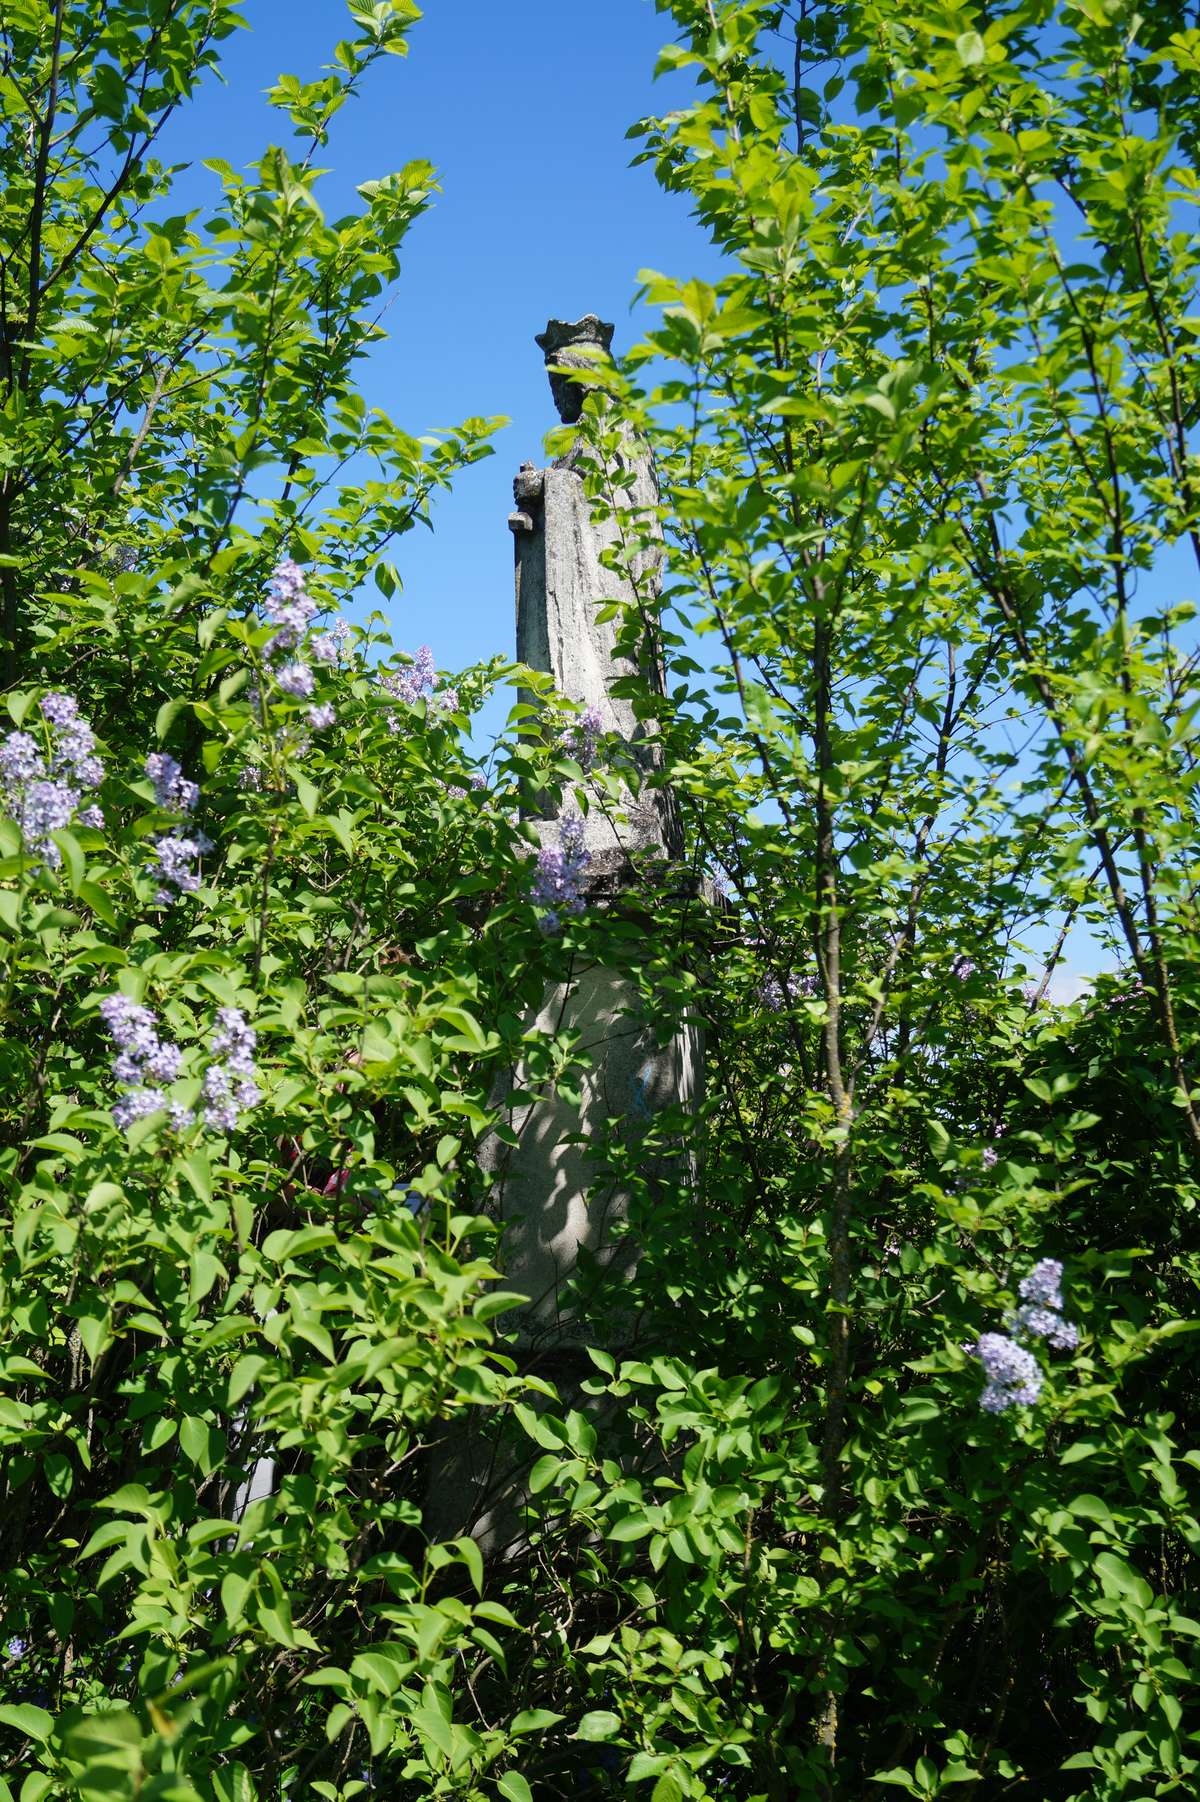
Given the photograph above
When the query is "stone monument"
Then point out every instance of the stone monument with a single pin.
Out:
(559, 1211)
(547, 1191)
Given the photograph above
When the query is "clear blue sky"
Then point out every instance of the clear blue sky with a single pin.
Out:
(523, 111)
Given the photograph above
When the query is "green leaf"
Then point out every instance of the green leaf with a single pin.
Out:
(544, 1473)
(196, 1442)
(533, 1720)
(599, 1724)
(500, 1301)
(244, 1375)
(166, 716)
(472, 1557)
(514, 1787)
(94, 897)
(34, 1723)
(74, 861)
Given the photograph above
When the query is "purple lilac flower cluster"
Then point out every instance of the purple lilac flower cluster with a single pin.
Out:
(332, 646)
(1013, 1378)
(43, 797)
(176, 854)
(1040, 1315)
(144, 1061)
(290, 609)
(416, 682)
(176, 865)
(561, 873)
(229, 1085)
(581, 740)
(288, 606)
(776, 995)
(172, 790)
(147, 1063)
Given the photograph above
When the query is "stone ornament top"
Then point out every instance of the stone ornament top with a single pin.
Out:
(573, 346)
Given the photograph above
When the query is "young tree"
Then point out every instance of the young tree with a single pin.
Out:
(924, 1516)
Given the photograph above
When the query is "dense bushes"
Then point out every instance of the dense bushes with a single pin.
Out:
(272, 933)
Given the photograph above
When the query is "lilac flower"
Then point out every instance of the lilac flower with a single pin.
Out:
(295, 679)
(582, 738)
(92, 816)
(20, 760)
(220, 1110)
(223, 1101)
(1035, 1322)
(131, 1026)
(74, 755)
(43, 800)
(1011, 1369)
(141, 1053)
(137, 1104)
(163, 1063)
(448, 700)
(229, 1086)
(776, 995)
(16, 1647)
(961, 968)
(61, 710)
(328, 647)
(235, 1040)
(1043, 1284)
(412, 683)
(1040, 1314)
(39, 809)
(175, 859)
(288, 606)
(1013, 1377)
(172, 790)
(990, 1157)
(322, 716)
(561, 873)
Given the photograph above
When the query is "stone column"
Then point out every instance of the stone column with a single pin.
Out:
(558, 1211)
(546, 1188)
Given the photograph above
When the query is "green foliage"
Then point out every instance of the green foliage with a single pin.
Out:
(229, 1345)
(928, 487)
(927, 483)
